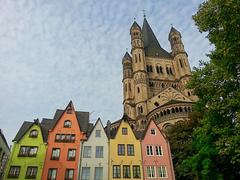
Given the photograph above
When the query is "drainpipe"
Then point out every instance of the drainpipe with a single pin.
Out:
(80, 160)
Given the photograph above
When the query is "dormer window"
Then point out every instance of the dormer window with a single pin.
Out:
(33, 133)
(67, 124)
(153, 131)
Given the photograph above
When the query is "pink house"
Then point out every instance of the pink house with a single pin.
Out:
(156, 154)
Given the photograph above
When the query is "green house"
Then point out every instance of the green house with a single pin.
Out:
(28, 153)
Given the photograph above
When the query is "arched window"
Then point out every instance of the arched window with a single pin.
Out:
(141, 109)
(33, 133)
(180, 109)
(189, 93)
(151, 69)
(67, 124)
(135, 58)
(157, 69)
(160, 68)
(180, 62)
(170, 70)
(139, 55)
(129, 86)
(138, 89)
(168, 111)
(167, 70)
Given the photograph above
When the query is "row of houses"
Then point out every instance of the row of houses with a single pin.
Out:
(69, 147)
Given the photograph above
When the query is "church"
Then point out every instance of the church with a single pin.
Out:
(154, 80)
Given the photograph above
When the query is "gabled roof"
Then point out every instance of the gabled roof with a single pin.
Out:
(147, 127)
(90, 130)
(151, 45)
(82, 118)
(4, 140)
(25, 128)
(125, 118)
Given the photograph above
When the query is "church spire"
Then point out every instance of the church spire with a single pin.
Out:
(151, 45)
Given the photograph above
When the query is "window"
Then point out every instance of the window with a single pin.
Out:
(52, 174)
(67, 124)
(162, 171)
(69, 110)
(136, 172)
(87, 151)
(180, 62)
(98, 133)
(98, 173)
(85, 173)
(130, 150)
(149, 150)
(33, 133)
(55, 153)
(153, 131)
(138, 90)
(65, 138)
(126, 172)
(28, 151)
(116, 171)
(71, 154)
(139, 56)
(69, 174)
(151, 172)
(167, 70)
(99, 152)
(31, 172)
(121, 149)
(159, 151)
(124, 131)
(135, 58)
(14, 172)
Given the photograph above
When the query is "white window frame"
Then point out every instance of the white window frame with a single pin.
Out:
(159, 150)
(148, 148)
(152, 171)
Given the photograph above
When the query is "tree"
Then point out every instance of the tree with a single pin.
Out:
(216, 142)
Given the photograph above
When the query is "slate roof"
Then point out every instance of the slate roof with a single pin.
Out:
(126, 57)
(173, 30)
(3, 138)
(23, 129)
(82, 118)
(135, 24)
(151, 45)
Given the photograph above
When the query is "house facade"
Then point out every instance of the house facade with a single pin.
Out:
(156, 154)
(28, 153)
(64, 141)
(94, 156)
(125, 160)
(4, 154)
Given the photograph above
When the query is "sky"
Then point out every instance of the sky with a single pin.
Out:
(55, 51)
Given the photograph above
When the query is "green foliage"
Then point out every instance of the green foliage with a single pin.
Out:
(213, 150)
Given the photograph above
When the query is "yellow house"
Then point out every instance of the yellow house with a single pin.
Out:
(125, 161)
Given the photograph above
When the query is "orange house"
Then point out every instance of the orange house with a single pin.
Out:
(69, 128)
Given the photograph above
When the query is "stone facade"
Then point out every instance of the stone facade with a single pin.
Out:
(154, 80)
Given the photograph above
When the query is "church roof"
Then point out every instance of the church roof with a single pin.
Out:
(151, 45)
(135, 25)
(173, 30)
(126, 57)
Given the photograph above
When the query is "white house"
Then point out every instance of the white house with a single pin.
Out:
(94, 155)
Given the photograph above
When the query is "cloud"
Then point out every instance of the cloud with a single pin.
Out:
(55, 51)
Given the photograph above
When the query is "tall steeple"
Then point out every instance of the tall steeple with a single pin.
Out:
(151, 45)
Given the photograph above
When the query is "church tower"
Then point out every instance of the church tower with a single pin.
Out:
(154, 80)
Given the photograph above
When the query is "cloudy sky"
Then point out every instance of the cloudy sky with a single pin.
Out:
(55, 51)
